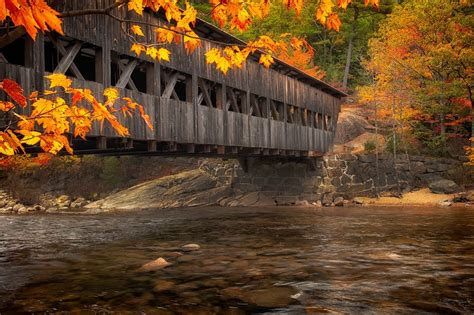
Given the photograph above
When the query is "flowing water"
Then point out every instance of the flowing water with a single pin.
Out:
(279, 260)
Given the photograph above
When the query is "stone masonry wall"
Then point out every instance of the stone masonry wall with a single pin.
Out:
(346, 175)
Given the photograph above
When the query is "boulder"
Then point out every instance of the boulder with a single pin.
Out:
(190, 247)
(445, 203)
(272, 297)
(358, 201)
(154, 265)
(302, 203)
(444, 186)
(317, 204)
(327, 200)
(470, 195)
(162, 285)
(339, 202)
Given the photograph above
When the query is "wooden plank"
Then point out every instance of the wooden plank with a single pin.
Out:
(126, 74)
(68, 58)
(171, 82)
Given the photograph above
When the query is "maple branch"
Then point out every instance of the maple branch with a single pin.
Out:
(104, 11)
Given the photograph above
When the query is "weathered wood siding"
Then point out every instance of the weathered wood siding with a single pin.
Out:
(186, 122)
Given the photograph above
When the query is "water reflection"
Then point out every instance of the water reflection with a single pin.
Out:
(265, 260)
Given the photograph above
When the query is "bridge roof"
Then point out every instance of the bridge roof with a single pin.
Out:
(211, 31)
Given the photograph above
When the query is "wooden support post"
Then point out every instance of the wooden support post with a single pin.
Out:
(266, 152)
(220, 149)
(153, 83)
(234, 150)
(151, 146)
(190, 148)
(101, 143)
(172, 146)
(206, 148)
(34, 58)
(220, 97)
(128, 143)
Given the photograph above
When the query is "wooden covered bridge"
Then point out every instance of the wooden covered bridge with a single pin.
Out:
(195, 109)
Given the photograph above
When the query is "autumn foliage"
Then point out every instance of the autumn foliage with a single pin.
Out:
(52, 119)
(55, 118)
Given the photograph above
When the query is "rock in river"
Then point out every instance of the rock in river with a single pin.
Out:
(271, 297)
(190, 247)
(156, 264)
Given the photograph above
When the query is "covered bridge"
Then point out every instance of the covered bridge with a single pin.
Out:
(195, 108)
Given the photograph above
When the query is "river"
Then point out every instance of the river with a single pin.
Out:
(269, 260)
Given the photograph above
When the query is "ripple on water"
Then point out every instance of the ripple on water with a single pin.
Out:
(250, 260)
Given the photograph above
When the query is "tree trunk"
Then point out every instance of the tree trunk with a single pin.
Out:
(349, 50)
(348, 63)
(442, 132)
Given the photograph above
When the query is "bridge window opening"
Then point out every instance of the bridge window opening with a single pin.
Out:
(51, 56)
(128, 73)
(236, 100)
(15, 53)
(304, 117)
(277, 110)
(85, 63)
(207, 93)
(180, 89)
(325, 123)
(290, 114)
(320, 121)
(139, 78)
(258, 106)
(175, 85)
(329, 123)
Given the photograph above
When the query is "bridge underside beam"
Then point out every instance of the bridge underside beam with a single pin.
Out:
(126, 146)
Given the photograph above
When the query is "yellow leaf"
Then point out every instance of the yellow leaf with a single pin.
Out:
(152, 52)
(30, 137)
(191, 41)
(138, 49)
(59, 79)
(163, 54)
(136, 5)
(137, 30)
(266, 60)
(112, 95)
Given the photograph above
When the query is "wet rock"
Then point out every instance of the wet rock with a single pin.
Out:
(470, 195)
(327, 200)
(39, 208)
(17, 207)
(317, 204)
(79, 202)
(22, 210)
(444, 186)
(52, 210)
(302, 203)
(339, 202)
(271, 297)
(445, 203)
(358, 201)
(162, 285)
(154, 265)
(63, 201)
(190, 247)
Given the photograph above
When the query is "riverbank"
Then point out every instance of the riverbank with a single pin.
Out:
(100, 185)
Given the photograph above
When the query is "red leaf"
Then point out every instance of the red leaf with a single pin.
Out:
(14, 90)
